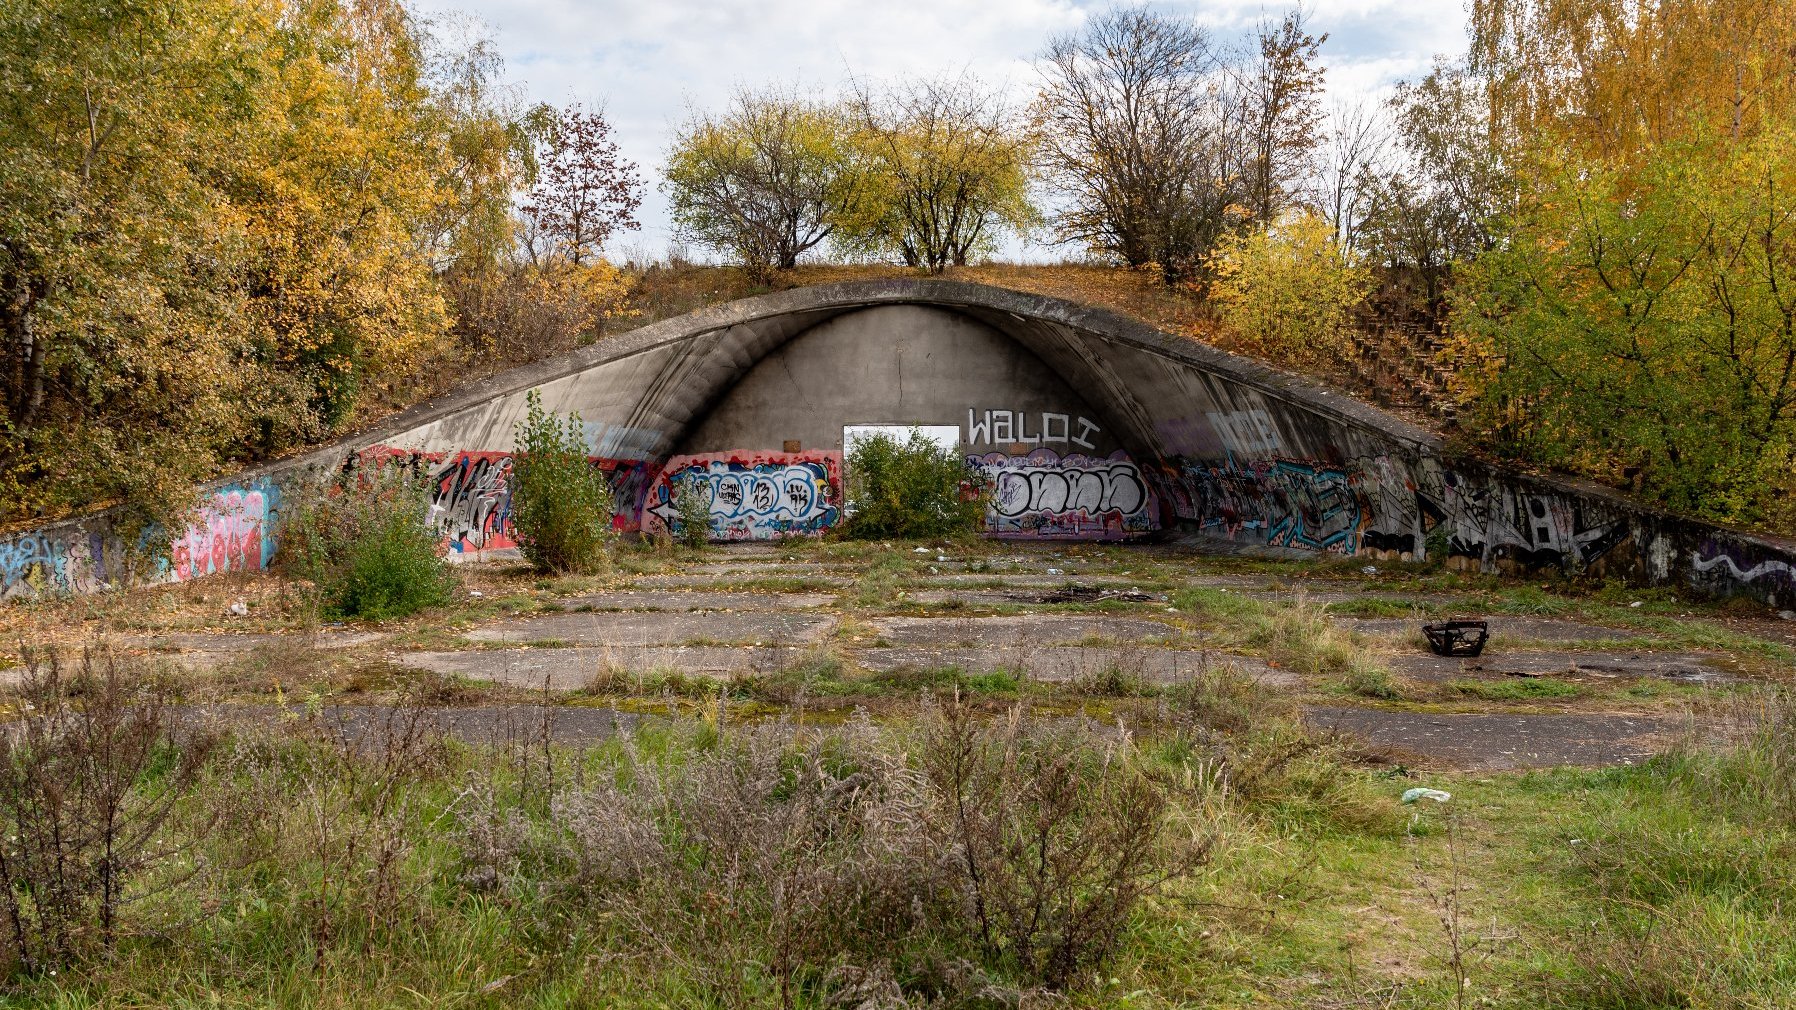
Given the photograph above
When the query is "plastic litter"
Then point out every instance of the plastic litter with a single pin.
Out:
(1418, 794)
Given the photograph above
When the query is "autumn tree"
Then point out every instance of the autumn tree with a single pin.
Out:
(1134, 135)
(122, 372)
(1281, 112)
(1445, 204)
(1636, 324)
(1615, 78)
(585, 190)
(766, 180)
(483, 127)
(1288, 291)
(946, 165)
(216, 224)
(1354, 158)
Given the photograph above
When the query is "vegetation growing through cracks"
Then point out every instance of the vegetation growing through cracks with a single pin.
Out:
(912, 489)
(561, 504)
(366, 546)
(965, 852)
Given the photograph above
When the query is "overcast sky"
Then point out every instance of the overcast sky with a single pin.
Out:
(648, 61)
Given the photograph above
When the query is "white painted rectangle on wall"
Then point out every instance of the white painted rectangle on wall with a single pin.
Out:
(945, 435)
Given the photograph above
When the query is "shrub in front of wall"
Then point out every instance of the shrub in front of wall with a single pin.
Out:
(692, 510)
(367, 548)
(912, 489)
(561, 505)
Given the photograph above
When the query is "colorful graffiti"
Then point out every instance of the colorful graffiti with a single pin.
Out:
(1742, 565)
(1046, 495)
(1277, 503)
(35, 563)
(470, 492)
(470, 501)
(753, 495)
(233, 533)
(1391, 508)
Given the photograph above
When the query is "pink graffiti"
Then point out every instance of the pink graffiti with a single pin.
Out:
(226, 538)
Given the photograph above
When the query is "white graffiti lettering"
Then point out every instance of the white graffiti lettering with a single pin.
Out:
(1011, 427)
(1047, 495)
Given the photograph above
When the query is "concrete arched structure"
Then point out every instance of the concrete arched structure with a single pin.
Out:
(1095, 424)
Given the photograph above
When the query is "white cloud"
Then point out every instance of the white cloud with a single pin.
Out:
(646, 61)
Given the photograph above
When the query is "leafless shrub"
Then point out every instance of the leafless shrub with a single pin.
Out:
(775, 866)
(92, 772)
(757, 864)
(351, 807)
(1055, 841)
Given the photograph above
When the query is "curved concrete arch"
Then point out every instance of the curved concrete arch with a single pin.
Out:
(1176, 437)
(698, 355)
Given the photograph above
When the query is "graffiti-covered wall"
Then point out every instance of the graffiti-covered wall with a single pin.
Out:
(1089, 426)
(751, 495)
(232, 531)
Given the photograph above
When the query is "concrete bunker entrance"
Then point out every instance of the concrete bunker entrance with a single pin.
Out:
(1060, 467)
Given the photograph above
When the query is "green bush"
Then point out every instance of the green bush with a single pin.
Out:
(561, 505)
(912, 489)
(692, 511)
(368, 549)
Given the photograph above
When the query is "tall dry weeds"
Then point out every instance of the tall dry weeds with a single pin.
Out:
(92, 770)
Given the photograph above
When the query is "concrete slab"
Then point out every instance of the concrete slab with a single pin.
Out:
(1691, 667)
(573, 668)
(1488, 742)
(1502, 629)
(204, 650)
(756, 568)
(1026, 630)
(660, 628)
(1072, 662)
(1039, 595)
(697, 600)
(724, 582)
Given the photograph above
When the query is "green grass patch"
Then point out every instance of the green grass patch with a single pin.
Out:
(1517, 689)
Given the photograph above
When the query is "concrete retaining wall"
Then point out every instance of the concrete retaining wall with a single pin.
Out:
(1093, 425)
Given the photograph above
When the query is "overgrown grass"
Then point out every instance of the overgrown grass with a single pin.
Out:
(367, 857)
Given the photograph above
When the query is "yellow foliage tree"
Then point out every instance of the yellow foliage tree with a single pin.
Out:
(1613, 78)
(1289, 291)
(217, 222)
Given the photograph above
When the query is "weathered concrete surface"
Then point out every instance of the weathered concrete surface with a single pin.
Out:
(1028, 630)
(1061, 663)
(573, 669)
(678, 582)
(202, 650)
(1504, 631)
(1139, 430)
(636, 628)
(1487, 742)
(1688, 667)
(698, 600)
